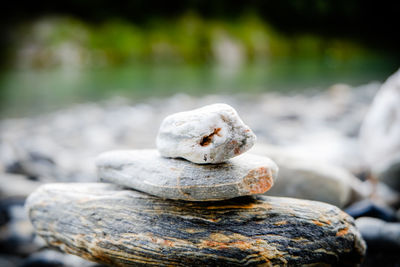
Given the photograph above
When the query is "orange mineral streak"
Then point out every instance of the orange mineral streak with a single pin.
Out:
(247, 206)
(224, 207)
(221, 241)
(159, 241)
(317, 223)
(221, 245)
(342, 232)
(168, 243)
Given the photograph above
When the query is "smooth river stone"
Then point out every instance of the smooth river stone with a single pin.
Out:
(147, 171)
(300, 177)
(211, 134)
(103, 223)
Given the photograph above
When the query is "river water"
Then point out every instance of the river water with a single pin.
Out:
(30, 92)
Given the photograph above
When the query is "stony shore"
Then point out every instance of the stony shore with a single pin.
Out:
(320, 128)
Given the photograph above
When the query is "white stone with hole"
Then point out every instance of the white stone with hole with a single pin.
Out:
(211, 134)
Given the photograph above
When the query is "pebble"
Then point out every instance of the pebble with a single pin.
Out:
(211, 134)
(379, 234)
(55, 258)
(390, 173)
(367, 208)
(147, 171)
(15, 186)
(17, 236)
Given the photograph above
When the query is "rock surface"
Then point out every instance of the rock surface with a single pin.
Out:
(368, 208)
(380, 133)
(306, 179)
(17, 236)
(103, 223)
(14, 186)
(390, 172)
(211, 134)
(379, 234)
(383, 241)
(147, 171)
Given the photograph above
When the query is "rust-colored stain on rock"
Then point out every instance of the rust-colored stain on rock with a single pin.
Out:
(226, 245)
(259, 181)
(236, 149)
(342, 232)
(318, 223)
(206, 140)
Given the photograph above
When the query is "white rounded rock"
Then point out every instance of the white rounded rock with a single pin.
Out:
(211, 134)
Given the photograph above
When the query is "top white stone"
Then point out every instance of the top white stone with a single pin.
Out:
(211, 134)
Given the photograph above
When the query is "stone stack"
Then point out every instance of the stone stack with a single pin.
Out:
(194, 160)
(192, 204)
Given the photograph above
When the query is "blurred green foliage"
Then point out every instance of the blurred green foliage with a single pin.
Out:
(57, 61)
(188, 39)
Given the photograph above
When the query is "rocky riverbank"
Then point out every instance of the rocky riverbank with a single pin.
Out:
(314, 134)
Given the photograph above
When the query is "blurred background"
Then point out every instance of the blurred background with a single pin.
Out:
(310, 78)
(58, 53)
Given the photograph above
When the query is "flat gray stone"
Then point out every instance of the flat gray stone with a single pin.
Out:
(211, 134)
(148, 171)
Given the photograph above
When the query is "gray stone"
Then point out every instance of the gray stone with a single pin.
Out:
(379, 234)
(55, 258)
(370, 208)
(301, 178)
(17, 236)
(16, 186)
(390, 172)
(211, 134)
(381, 193)
(380, 133)
(147, 171)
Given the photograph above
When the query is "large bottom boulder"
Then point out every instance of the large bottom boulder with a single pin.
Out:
(108, 224)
